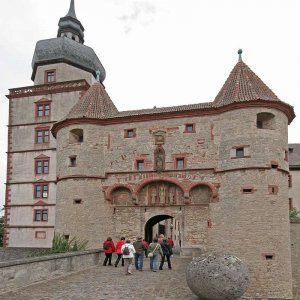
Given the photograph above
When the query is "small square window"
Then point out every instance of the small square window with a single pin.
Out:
(72, 161)
(42, 109)
(179, 163)
(41, 215)
(240, 152)
(40, 191)
(42, 136)
(129, 133)
(273, 189)
(274, 165)
(189, 127)
(77, 201)
(140, 165)
(50, 76)
(269, 257)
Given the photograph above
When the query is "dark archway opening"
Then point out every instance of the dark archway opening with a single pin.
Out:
(153, 221)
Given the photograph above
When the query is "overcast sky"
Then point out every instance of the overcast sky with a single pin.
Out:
(160, 52)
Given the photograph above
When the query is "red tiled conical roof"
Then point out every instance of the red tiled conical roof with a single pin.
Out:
(95, 104)
(243, 85)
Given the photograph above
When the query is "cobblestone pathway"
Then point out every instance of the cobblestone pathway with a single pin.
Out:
(111, 283)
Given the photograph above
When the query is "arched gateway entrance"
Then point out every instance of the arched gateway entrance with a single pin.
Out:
(161, 228)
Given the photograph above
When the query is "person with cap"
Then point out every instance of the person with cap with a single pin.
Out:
(139, 253)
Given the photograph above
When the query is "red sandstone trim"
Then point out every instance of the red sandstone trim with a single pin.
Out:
(247, 156)
(155, 179)
(33, 150)
(80, 177)
(108, 192)
(32, 124)
(31, 205)
(29, 182)
(211, 186)
(285, 108)
(31, 226)
(44, 89)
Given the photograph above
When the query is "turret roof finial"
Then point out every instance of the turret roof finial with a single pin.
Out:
(98, 75)
(240, 51)
(71, 12)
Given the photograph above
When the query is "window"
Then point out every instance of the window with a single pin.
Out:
(274, 165)
(290, 181)
(50, 76)
(76, 136)
(286, 155)
(247, 190)
(72, 161)
(273, 189)
(129, 133)
(41, 190)
(43, 109)
(140, 165)
(41, 166)
(290, 203)
(269, 256)
(77, 201)
(239, 152)
(265, 120)
(179, 163)
(189, 128)
(41, 215)
(42, 136)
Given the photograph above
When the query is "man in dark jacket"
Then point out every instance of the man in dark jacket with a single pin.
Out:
(139, 253)
(167, 251)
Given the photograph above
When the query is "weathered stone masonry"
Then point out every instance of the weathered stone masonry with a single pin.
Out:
(216, 172)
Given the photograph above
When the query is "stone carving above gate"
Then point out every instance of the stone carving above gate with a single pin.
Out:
(159, 137)
(122, 196)
(161, 193)
(159, 159)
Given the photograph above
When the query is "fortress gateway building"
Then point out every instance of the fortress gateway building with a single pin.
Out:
(213, 175)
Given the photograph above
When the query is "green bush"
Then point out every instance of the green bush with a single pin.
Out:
(61, 245)
(294, 214)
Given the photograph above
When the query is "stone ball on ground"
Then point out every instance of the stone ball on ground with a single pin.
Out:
(217, 277)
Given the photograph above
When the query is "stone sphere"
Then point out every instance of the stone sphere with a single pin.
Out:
(217, 277)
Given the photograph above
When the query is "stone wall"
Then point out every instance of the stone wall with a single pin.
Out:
(295, 240)
(20, 273)
(7, 254)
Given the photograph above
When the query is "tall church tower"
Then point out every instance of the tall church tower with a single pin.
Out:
(63, 68)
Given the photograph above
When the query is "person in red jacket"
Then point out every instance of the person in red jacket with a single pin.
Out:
(109, 249)
(119, 245)
(146, 246)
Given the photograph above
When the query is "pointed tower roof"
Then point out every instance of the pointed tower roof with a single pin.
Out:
(95, 104)
(243, 85)
(70, 24)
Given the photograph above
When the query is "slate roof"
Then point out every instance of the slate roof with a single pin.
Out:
(94, 104)
(294, 155)
(243, 85)
(63, 49)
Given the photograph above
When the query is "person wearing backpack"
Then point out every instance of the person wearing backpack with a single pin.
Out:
(139, 253)
(128, 254)
(167, 251)
(119, 245)
(109, 249)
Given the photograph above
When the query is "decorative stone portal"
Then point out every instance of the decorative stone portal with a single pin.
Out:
(161, 193)
(122, 196)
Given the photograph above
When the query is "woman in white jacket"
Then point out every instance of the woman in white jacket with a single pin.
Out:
(128, 255)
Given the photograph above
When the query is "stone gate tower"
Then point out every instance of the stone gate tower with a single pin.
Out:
(214, 175)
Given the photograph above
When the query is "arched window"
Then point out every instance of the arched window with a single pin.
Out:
(265, 120)
(76, 136)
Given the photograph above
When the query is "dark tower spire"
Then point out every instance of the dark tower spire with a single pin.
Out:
(70, 26)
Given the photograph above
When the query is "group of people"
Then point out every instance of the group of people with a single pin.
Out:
(126, 252)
